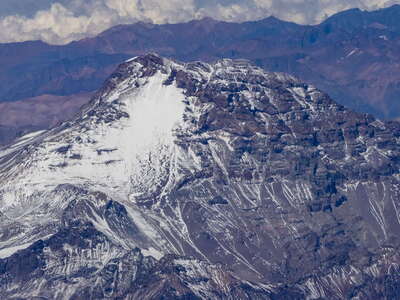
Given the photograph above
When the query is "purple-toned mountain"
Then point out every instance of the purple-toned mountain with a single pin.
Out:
(203, 181)
(354, 56)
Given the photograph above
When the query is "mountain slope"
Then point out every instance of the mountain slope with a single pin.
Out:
(203, 181)
(353, 56)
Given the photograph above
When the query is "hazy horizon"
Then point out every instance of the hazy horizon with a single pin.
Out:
(61, 21)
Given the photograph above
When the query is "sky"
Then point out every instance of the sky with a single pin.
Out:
(62, 21)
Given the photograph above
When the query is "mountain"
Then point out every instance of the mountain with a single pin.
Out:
(203, 181)
(353, 56)
(37, 113)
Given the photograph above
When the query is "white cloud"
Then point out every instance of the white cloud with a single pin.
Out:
(65, 21)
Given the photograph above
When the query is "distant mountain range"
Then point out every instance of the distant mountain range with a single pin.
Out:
(354, 56)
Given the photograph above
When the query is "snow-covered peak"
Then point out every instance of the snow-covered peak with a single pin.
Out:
(127, 142)
(124, 141)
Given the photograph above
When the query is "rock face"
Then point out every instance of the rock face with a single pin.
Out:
(203, 181)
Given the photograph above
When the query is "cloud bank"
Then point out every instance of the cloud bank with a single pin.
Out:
(67, 20)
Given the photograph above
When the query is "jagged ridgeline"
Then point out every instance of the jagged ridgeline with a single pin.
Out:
(203, 181)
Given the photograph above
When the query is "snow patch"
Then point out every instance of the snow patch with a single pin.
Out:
(352, 52)
(152, 252)
(154, 113)
(131, 59)
(7, 252)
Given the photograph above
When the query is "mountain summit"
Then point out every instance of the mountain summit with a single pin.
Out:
(353, 56)
(203, 181)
